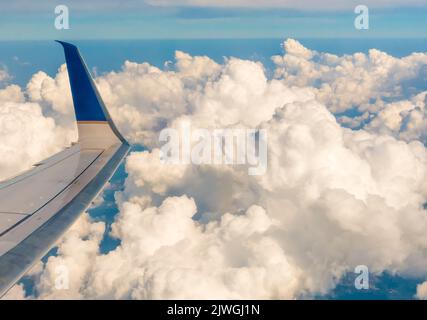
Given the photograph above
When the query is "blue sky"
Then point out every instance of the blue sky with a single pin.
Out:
(189, 19)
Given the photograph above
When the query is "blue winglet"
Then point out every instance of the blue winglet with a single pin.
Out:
(88, 104)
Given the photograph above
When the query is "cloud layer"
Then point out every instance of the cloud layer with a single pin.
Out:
(352, 81)
(331, 199)
(99, 5)
(307, 4)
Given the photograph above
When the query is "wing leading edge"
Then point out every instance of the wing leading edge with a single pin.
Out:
(37, 207)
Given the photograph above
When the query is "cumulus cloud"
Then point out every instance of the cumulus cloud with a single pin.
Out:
(332, 197)
(422, 291)
(177, 257)
(351, 81)
(53, 93)
(60, 277)
(144, 99)
(404, 119)
(28, 133)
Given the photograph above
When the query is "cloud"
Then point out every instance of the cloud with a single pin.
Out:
(80, 5)
(144, 99)
(422, 291)
(351, 81)
(98, 5)
(309, 5)
(53, 93)
(199, 267)
(367, 91)
(28, 136)
(80, 245)
(404, 119)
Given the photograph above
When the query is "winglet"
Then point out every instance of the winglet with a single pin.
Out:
(88, 104)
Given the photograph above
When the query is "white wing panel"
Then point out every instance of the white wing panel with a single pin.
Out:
(28, 195)
(89, 163)
(8, 220)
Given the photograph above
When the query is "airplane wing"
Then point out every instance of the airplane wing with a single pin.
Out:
(38, 206)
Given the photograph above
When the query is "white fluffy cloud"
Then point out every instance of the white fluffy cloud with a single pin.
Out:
(77, 250)
(28, 133)
(54, 93)
(422, 291)
(332, 198)
(404, 119)
(351, 81)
